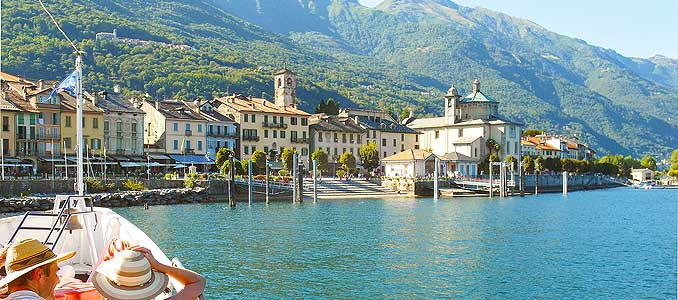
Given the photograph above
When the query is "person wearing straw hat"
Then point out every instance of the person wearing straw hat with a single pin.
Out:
(134, 274)
(31, 270)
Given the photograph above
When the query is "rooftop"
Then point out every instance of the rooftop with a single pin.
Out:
(413, 154)
(334, 123)
(247, 104)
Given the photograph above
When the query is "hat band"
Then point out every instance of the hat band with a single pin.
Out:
(29, 261)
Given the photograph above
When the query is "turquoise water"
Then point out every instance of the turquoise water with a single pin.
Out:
(607, 244)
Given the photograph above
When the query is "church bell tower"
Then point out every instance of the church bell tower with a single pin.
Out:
(451, 105)
(285, 88)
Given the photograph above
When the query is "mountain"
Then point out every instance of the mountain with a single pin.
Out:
(400, 54)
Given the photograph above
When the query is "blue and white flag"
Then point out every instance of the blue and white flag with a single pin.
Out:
(68, 85)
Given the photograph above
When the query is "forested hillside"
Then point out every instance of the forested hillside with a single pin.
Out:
(401, 55)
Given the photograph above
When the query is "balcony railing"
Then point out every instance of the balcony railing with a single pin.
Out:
(299, 140)
(189, 151)
(25, 136)
(49, 137)
(188, 133)
(250, 138)
(223, 134)
(274, 125)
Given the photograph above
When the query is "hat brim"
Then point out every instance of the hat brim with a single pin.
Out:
(14, 275)
(112, 291)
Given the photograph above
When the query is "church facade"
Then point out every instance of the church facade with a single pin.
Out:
(470, 128)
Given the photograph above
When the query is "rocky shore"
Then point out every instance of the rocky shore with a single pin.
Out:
(115, 199)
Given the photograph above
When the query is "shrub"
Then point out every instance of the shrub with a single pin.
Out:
(169, 176)
(283, 172)
(133, 185)
(189, 182)
(203, 176)
(341, 173)
(96, 186)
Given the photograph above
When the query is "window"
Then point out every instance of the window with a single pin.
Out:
(402, 137)
(304, 122)
(67, 143)
(293, 121)
(293, 135)
(254, 148)
(176, 145)
(83, 122)
(266, 149)
(106, 125)
(5, 123)
(21, 118)
(247, 117)
(246, 150)
(275, 134)
(188, 145)
(475, 152)
(384, 154)
(188, 126)
(461, 132)
(437, 134)
(304, 151)
(199, 127)
(199, 145)
(374, 134)
(265, 133)
(335, 151)
(55, 133)
(383, 143)
(134, 127)
(55, 119)
(394, 142)
(275, 119)
(282, 120)
(265, 118)
(343, 138)
(95, 122)
(303, 135)
(254, 118)
(176, 126)
(282, 134)
(416, 138)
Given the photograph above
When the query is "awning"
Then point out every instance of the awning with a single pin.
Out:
(125, 164)
(137, 158)
(17, 165)
(189, 159)
(119, 158)
(49, 159)
(11, 160)
(159, 156)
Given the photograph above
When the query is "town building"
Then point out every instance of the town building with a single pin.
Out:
(382, 129)
(269, 126)
(468, 126)
(642, 174)
(222, 131)
(336, 135)
(555, 146)
(535, 146)
(414, 163)
(123, 123)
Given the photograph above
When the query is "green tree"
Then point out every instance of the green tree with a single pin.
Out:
(369, 156)
(329, 107)
(528, 164)
(287, 157)
(258, 162)
(649, 162)
(347, 161)
(222, 158)
(673, 172)
(321, 157)
(539, 163)
(532, 132)
(568, 165)
(245, 164)
(511, 160)
(237, 166)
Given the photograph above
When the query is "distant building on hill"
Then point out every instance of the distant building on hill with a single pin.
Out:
(107, 35)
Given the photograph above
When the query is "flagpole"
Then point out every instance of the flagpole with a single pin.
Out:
(65, 160)
(80, 170)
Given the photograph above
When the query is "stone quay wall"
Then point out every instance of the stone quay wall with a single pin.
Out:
(120, 199)
(63, 186)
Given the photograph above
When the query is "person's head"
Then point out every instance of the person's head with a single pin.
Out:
(32, 266)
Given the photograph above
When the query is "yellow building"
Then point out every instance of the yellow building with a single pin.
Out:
(92, 126)
(269, 126)
(174, 128)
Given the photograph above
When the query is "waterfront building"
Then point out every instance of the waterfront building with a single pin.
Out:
(174, 128)
(222, 131)
(414, 163)
(123, 123)
(642, 174)
(336, 135)
(92, 126)
(535, 146)
(381, 128)
(269, 126)
(8, 115)
(469, 124)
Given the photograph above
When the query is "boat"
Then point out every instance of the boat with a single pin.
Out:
(645, 185)
(74, 224)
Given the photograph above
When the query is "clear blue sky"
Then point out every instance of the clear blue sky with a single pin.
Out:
(632, 28)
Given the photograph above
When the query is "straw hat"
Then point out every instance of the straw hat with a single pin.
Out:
(26, 255)
(128, 276)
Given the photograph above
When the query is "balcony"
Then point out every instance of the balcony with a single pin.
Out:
(188, 151)
(274, 125)
(250, 138)
(299, 140)
(49, 137)
(25, 136)
(188, 133)
(231, 135)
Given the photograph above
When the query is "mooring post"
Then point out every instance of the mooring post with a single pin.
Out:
(267, 182)
(294, 177)
(315, 181)
(249, 181)
(565, 183)
(520, 174)
(300, 180)
(231, 183)
(491, 180)
(435, 178)
(536, 181)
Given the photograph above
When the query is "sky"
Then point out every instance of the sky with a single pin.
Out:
(632, 28)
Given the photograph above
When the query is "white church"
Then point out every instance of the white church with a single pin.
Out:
(463, 133)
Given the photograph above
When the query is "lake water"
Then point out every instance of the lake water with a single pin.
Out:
(607, 244)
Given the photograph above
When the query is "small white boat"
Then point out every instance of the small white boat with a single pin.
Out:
(75, 225)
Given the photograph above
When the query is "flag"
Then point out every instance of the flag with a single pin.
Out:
(67, 85)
